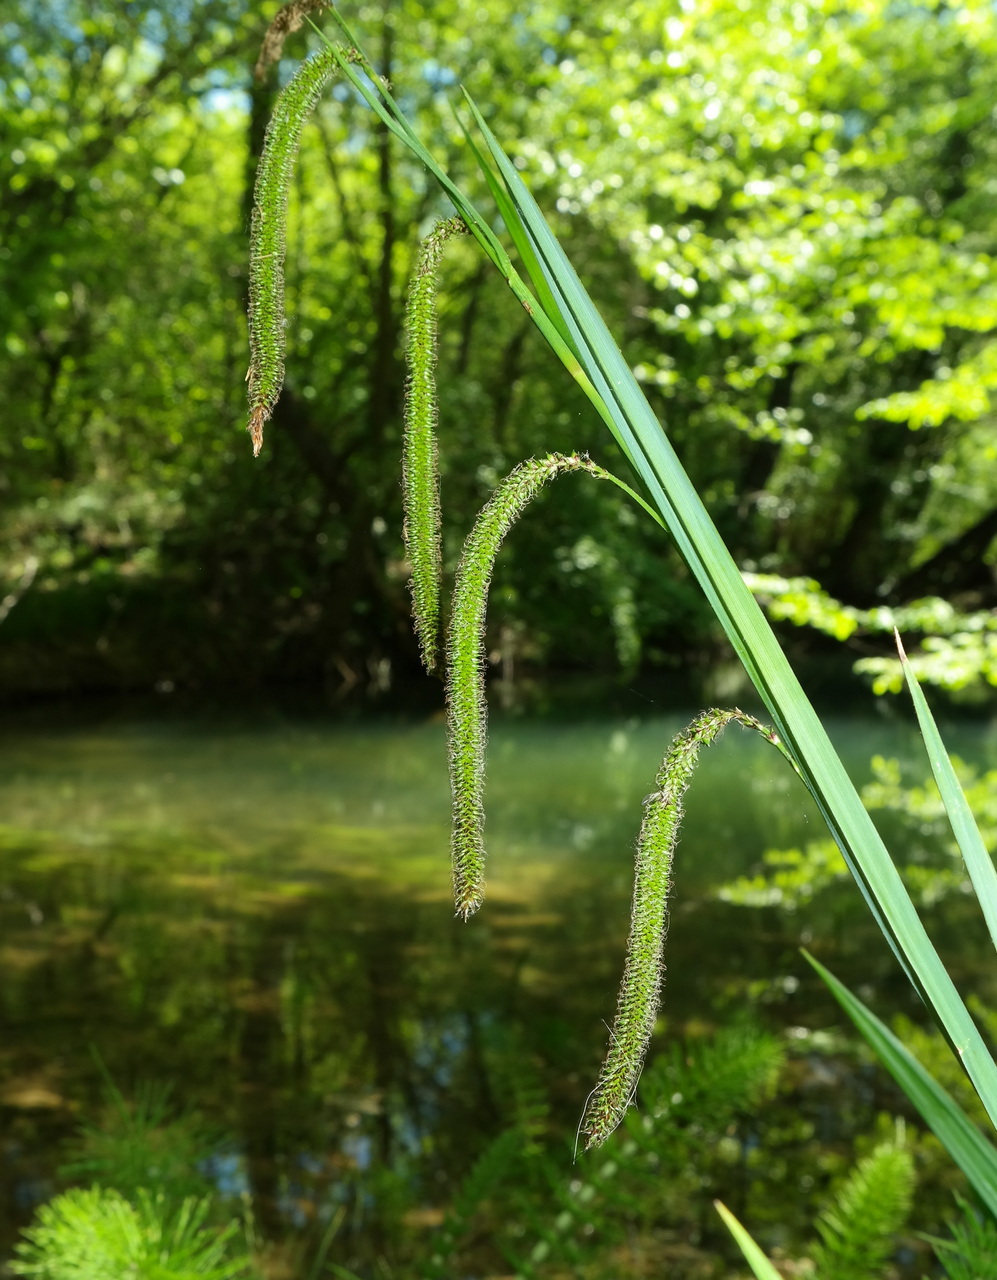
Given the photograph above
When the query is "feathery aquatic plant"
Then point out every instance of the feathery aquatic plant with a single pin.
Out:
(420, 457)
(268, 237)
(99, 1234)
(859, 1228)
(467, 714)
(643, 974)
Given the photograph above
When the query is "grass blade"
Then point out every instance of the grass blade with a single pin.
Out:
(373, 91)
(974, 1155)
(756, 1260)
(607, 380)
(524, 248)
(649, 450)
(967, 834)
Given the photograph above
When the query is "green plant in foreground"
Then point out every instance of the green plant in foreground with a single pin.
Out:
(971, 1254)
(569, 321)
(150, 1212)
(466, 707)
(858, 1229)
(97, 1234)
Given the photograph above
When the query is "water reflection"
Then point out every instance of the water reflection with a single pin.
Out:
(261, 914)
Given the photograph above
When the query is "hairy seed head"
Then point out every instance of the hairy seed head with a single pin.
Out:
(268, 237)
(643, 974)
(467, 716)
(420, 455)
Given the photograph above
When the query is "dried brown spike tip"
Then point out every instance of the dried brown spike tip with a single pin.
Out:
(288, 19)
(256, 420)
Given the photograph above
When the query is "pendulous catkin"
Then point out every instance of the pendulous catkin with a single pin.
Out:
(420, 454)
(268, 235)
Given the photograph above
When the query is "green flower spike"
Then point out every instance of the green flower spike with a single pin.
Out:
(420, 469)
(467, 716)
(637, 1004)
(267, 237)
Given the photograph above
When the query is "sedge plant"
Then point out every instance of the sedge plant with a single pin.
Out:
(554, 298)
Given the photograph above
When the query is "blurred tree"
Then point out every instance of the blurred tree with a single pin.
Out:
(805, 196)
(784, 212)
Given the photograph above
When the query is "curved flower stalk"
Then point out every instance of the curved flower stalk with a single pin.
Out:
(420, 455)
(643, 974)
(268, 237)
(467, 713)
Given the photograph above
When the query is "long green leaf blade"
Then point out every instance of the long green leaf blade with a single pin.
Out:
(967, 834)
(756, 1260)
(652, 455)
(976, 1157)
(606, 378)
(503, 202)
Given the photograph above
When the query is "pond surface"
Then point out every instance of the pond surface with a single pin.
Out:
(255, 907)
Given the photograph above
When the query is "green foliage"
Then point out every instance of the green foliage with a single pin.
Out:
(420, 455)
(143, 1143)
(930, 1049)
(858, 1232)
(959, 650)
(269, 235)
(489, 1169)
(793, 877)
(932, 865)
(637, 1004)
(965, 1144)
(771, 280)
(98, 1234)
(761, 1268)
(784, 218)
(917, 805)
(709, 1081)
(965, 659)
(693, 1099)
(971, 1253)
(149, 1210)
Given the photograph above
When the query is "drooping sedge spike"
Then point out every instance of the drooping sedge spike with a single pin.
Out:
(467, 714)
(268, 236)
(422, 529)
(643, 974)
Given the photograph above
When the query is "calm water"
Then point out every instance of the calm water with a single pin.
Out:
(256, 908)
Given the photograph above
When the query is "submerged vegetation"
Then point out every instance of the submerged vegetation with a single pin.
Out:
(263, 918)
(702, 1106)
